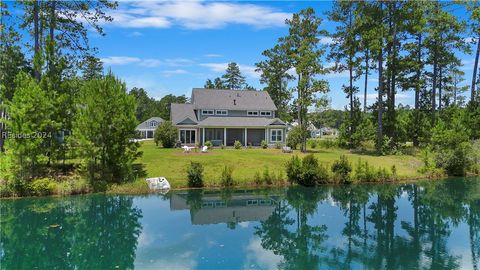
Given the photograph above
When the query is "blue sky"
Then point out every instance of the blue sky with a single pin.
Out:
(172, 47)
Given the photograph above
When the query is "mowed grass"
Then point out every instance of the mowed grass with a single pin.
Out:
(172, 163)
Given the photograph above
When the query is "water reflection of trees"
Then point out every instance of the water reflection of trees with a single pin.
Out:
(98, 232)
(372, 237)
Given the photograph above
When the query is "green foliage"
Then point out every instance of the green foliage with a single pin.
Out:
(166, 134)
(104, 124)
(165, 104)
(30, 114)
(195, 174)
(342, 169)
(313, 143)
(42, 187)
(233, 78)
(307, 172)
(328, 143)
(295, 136)
(257, 178)
(264, 144)
(73, 186)
(222, 146)
(226, 177)
(327, 118)
(294, 169)
(364, 172)
(237, 144)
(278, 145)
(267, 177)
(208, 144)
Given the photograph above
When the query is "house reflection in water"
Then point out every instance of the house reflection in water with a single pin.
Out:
(214, 207)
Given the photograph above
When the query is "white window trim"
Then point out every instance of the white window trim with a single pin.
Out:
(153, 123)
(217, 112)
(265, 113)
(204, 112)
(254, 113)
(276, 130)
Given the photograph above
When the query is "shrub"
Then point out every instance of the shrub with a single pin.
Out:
(307, 172)
(208, 144)
(237, 144)
(257, 178)
(222, 146)
(364, 172)
(195, 174)
(313, 144)
(43, 187)
(294, 169)
(296, 136)
(342, 168)
(264, 144)
(267, 178)
(327, 143)
(278, 145)
(226, 177)
(73, 186)
(166, 134)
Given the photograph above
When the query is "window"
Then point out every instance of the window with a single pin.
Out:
(221, 112)
(276, 135)
(153, 123)
(266, 113)
(187, 136)
(252, 113)
(207, 112)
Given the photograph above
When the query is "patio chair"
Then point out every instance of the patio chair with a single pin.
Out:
(204, 149)
(186, 149)
(286, 149)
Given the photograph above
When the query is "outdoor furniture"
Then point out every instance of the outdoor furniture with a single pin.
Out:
(186, 149)
(286, 149)
(204, 149)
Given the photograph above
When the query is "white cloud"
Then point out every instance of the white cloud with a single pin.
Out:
(213, 55)
(221, 67)
(326, 40)
(169, 73)
(119, 60)
(196, 15)
(149, 62)
(256, 254)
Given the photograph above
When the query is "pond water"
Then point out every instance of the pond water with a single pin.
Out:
(434, 225)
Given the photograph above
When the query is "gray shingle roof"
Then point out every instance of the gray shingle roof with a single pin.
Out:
(232, 99)
(146, 125)
(180, 112)
(240, 122)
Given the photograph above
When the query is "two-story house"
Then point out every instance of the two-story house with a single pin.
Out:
(224, 116)
(146, 130)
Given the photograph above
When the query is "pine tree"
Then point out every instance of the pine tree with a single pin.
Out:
(233, 78)
(275, 74)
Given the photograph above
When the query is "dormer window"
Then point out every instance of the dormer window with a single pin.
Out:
(221, 112)
(266, 113)
(252, 113)
(208, 112)
(153, 123)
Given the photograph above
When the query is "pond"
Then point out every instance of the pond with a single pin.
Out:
(434, 225)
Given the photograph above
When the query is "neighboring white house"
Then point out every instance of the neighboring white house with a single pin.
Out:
(146, 130)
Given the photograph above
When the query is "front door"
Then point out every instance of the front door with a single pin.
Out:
(187, 136)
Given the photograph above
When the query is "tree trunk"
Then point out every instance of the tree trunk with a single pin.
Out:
(36, 33)
(475, 69)
(366, 82)
(440, 90)
(393, 67)
(51, 64)
(434, 85)
(417, 93)
(380, 100)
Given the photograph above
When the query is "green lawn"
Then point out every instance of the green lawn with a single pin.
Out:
(172, 163)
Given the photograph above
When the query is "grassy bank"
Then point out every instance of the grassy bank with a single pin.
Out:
(247, 163)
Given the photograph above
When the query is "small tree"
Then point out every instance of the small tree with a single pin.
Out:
(166, 134)
(342, 169)
(104, 124)
(195, 174)
(295, 136)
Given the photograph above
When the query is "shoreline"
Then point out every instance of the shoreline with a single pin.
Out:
(285, 184)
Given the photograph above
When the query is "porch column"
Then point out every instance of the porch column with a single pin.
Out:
(146, 134)
(245, 137)
(225, 137)
(203, 136)
(266, 135)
